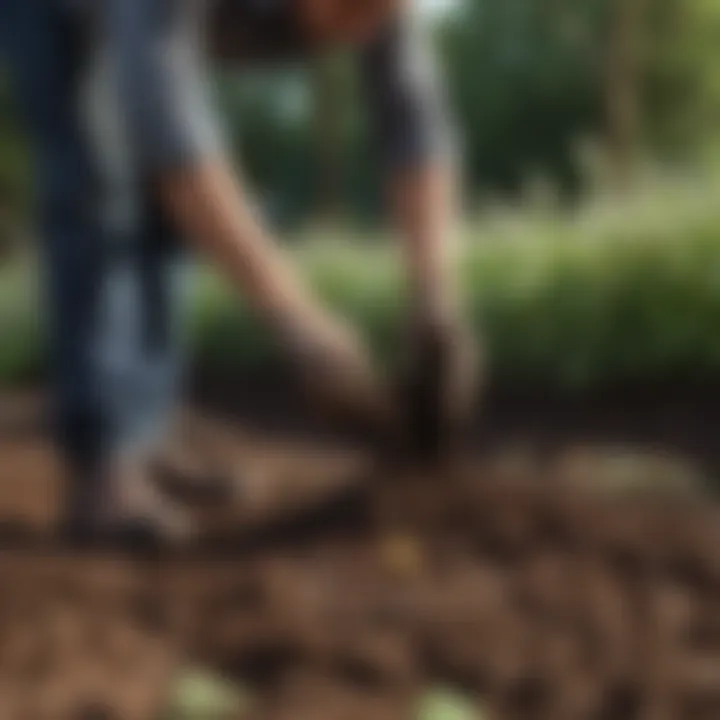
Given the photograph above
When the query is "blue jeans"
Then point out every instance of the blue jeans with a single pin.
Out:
(115, 276)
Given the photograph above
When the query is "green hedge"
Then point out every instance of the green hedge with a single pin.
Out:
(621, 293)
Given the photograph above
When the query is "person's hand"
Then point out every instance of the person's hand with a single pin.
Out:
(440, 380)
(337, 374)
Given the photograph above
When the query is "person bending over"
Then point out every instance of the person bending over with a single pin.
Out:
(132, 169)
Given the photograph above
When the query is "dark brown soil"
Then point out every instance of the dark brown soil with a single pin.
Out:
(503, 575)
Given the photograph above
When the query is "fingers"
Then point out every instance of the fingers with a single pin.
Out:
(346, 387)
(337, 375)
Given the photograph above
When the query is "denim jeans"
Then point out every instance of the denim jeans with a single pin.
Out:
(115, 276)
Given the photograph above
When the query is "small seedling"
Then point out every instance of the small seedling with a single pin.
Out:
(200, 695)
(447, 704)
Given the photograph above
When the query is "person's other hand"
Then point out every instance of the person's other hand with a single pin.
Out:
(440, 380)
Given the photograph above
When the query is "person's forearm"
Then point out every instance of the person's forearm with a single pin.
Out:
(425, 205)
(210, 208)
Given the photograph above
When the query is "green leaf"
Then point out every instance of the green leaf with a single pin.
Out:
(447, 704)
(200, 695)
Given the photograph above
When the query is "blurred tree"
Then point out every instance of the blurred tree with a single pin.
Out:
(298, 134)
(330, 100)
(268, 115)
(626, 58)
(530, 78)
(524, 75)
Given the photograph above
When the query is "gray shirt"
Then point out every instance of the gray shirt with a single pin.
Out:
(159, 53)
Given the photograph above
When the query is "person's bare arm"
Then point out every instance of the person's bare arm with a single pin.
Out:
(417, 144)
(175, 141)
(207, 201)
(418, 147)
(330, 358)
(425, 207)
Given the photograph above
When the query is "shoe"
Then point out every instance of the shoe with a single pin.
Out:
(123, 507)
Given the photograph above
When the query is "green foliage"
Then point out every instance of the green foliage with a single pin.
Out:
(636, 306)
(298, 132)
(268, 116)
(682, 83)
(526, 81)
